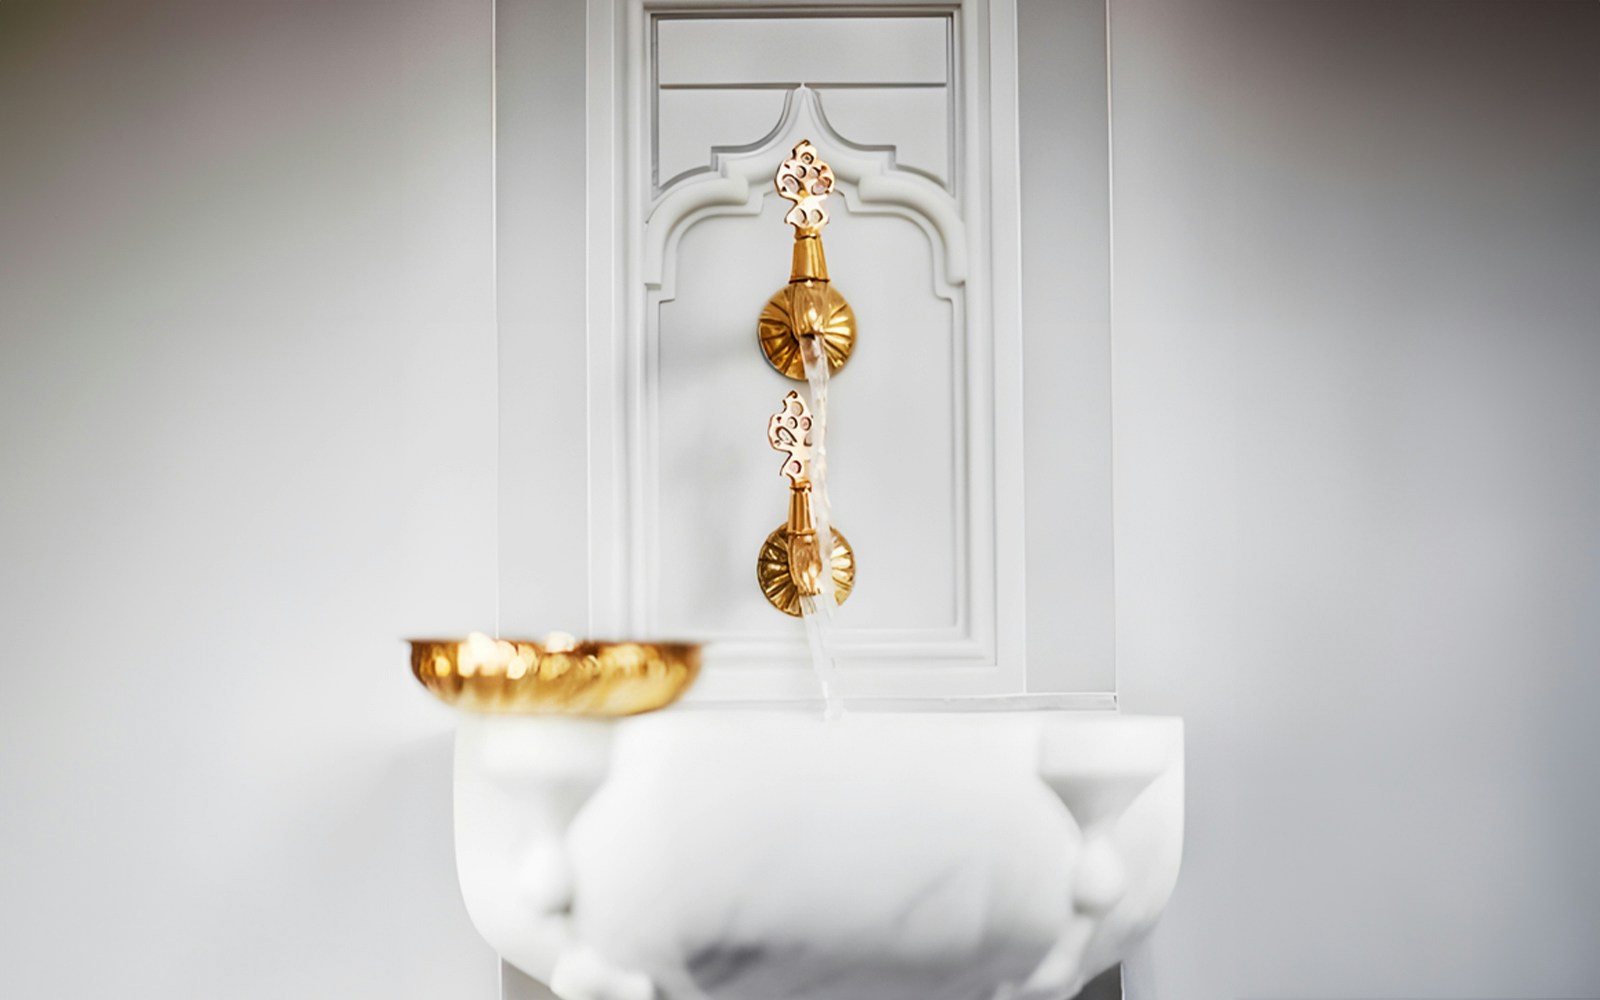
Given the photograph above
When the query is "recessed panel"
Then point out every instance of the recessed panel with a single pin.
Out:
(914, 120)
(893, 480)
(686, 244)
(691, 123)
(702, 51)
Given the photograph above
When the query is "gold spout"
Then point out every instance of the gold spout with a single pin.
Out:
(809, 310)
(809, 305)
(805, 560)
(791, 562)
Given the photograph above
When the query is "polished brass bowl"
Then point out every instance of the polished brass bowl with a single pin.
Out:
(558, 676)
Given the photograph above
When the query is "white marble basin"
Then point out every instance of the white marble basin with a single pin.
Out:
(718, 854)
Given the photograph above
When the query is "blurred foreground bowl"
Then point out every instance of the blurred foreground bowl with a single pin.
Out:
(557, 676)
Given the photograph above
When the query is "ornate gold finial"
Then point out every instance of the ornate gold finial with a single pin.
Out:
(805, 180)
(789, 431)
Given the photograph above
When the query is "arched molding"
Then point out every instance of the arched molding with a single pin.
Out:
(740, 177)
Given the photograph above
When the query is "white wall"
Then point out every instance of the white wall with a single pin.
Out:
(1357, 399)
(245, 260)
(246, 443)
(1066, 326)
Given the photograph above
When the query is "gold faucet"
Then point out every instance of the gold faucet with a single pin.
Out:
(791, 562)
(809, 306)
(805, 315)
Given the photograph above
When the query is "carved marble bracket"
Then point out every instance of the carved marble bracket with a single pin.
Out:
(725, 855)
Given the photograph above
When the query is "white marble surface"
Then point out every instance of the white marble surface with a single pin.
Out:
(768, 855)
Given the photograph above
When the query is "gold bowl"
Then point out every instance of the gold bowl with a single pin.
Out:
(557, 676)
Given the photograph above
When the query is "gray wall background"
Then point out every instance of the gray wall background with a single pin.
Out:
(1357, 452)
(246, 272)
(246, 442)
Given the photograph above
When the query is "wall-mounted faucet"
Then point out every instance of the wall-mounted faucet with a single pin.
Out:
(806, 323)
(790, 564)
(809, 305)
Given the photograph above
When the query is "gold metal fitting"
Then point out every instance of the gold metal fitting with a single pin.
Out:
(790, 565)
(809, 306)
(558, 676)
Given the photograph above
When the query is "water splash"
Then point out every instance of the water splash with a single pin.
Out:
(818, 611)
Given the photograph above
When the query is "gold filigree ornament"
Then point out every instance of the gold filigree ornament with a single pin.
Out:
(559, 675)
(807, 181)
(809, 306)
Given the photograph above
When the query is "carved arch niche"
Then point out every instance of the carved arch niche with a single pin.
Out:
(923, 455)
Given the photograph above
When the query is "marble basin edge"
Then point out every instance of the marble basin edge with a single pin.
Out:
(763, 853)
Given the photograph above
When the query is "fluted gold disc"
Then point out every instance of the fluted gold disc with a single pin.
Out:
(781, 344)
(772, 570)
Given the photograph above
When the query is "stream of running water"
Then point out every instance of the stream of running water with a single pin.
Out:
(818, 611)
